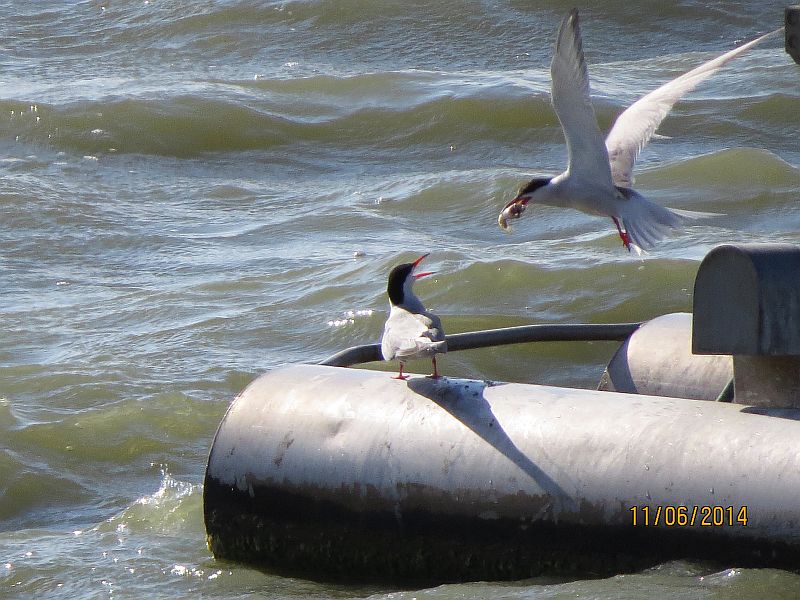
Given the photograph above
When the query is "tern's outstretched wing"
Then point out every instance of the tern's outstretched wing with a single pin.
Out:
(588, 158)
(634, 127)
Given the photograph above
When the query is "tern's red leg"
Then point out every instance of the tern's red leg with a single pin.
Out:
(400, 374)
(623, 235)
(435, 370)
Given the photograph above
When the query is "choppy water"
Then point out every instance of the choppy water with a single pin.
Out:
(195, 191)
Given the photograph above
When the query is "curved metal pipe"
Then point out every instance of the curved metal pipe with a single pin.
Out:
(572, 332)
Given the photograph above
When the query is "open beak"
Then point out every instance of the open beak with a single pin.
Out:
(512, 210)
(416, 264)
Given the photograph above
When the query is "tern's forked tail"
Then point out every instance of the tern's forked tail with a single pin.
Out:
(647, 222)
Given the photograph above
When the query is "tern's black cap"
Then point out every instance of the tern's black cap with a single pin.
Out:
(397, 279)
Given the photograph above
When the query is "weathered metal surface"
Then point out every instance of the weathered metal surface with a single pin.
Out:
(767, 380)
(333, 473)
(568, 332)
(657, 360)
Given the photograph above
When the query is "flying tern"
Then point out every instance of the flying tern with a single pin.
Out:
(410, 331)
(599, 174)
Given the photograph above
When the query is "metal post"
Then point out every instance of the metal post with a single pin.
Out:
(747, 304)
(792, 28)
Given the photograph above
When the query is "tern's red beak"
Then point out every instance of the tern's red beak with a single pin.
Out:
(518, 200)
(416, 264)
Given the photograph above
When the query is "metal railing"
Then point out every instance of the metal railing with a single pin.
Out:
(573, 332)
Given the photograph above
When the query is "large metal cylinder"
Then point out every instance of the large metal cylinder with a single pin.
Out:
(332, 473)
(657, 360)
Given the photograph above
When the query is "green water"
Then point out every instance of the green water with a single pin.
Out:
(193, 192)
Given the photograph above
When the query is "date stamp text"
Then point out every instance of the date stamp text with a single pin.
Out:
(688, 516)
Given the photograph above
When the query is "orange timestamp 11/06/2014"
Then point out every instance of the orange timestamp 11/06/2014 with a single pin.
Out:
(686, 516)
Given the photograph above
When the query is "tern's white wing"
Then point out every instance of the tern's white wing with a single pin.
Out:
(409, 335)
(634, 127)
(588, 158)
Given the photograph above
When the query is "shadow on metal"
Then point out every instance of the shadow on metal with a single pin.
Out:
(465, 401)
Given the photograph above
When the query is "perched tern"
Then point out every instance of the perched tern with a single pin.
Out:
(599, 175)
(410, 331)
